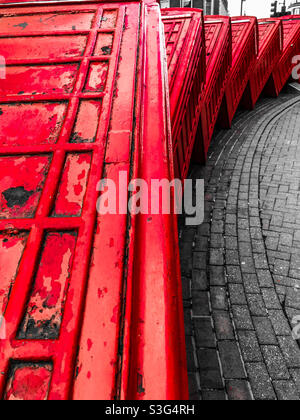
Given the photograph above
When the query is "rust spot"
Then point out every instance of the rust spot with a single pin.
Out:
(106, 50)
(17, 196)
(140, 388)
(22, 25)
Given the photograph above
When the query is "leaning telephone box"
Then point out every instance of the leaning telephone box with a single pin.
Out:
(291, 47)
(185, 43)
(90, 294)
(270, 49)
(244, 53)
(218, 65)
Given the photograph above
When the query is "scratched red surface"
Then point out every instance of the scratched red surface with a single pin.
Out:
(79, 102)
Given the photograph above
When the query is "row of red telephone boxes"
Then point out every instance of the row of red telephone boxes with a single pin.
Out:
(218, 64)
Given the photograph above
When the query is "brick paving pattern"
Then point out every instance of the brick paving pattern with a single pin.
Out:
(241, 267)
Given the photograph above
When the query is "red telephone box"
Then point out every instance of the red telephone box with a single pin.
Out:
(85, 98)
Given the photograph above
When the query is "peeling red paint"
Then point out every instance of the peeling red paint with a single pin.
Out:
(47, 47)
(38, 123)
(86, 125)
(21, 184)
(71, 193)
(11, 251)
(96, 81)
(44, 311)
(29, 382)
(39, 79)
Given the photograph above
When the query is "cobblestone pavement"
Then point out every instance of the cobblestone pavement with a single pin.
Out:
(241, 267)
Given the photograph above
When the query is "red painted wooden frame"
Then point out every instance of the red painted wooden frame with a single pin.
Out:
(244, 53)
(270, 50)
(291, 47)
(85, 97)
(218, 65)
(185, 43)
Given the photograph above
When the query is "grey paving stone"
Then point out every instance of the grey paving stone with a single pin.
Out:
(234, 274)
(249, 346)
(247, 265)
(264, 330)
(217, 276)
(216, 257)
(188, 234)
(275, 362)
(256, 305)
(199, 260)
(217, 240)
(204, 334)
(250, 283)
(265, 278)
(281, 267)
(201, 243)
(286, 391)
(295, 374)
(213, 395)
(232, 257)
(237, 294)
(260, 262)
(191, 364)
(204, 229)
(223, 325)
(210, 374)
(231, 361)
(270, 298)
(279, 322)
(242, 318)
(260, 381)
(200, 303)
(186, 288)
(218, 298)
(290, 350)
(292, 299)
(239, 390)
(217, 226)
(199, 280)
(194, 391)
(187, 322)
(231, 242)
(245, 249)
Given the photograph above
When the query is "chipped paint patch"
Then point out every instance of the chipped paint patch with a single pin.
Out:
(87, 121)
(26, 123)
(38, 79)
(12, 246)
(21, 183)
(73, 185)
(28, 381)
(96, 81)
(46, 304)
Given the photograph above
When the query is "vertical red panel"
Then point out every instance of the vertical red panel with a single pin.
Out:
(185, 44)
(270, 49)
(218, 65)
(244, 54)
